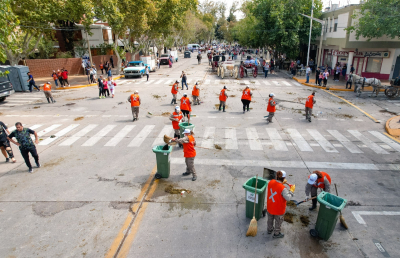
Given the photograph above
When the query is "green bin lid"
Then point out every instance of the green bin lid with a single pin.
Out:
(159, 149)
(332, 201)
(250, 184)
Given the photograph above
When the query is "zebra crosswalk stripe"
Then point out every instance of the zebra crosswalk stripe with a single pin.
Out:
(167, 130)
(208, 138)
(48, 129)
(59, 134)
(160, 81)
(276, 139)
(138, 140)
(345, 142)
(230, 139)
(373, 146)
(386, 140)
(267, 83)
(276, 83)
(324, 143)
(100, 134)
(286, 83)
(120, 135)
(168, 82)
(78, 135)
(299, 140)
(150, 81)
(254, 141)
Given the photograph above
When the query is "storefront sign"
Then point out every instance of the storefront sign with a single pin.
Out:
(376, 54)
(360, 53)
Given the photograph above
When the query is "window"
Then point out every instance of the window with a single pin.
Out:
(336, 23)
(374, 65)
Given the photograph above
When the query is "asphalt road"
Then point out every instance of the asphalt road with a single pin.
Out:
(94, 195)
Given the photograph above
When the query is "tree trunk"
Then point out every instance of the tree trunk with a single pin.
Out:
(119, 60)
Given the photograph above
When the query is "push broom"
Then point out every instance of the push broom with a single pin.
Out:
(252, 231)
(342, 221)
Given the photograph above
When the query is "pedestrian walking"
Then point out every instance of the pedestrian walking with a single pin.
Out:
(55, 77)
(223, 96)
(101, 66)
(199, 58)
(277, 197)
(91, 75)
(210, 59)
(344, 70)
(60, 79)
(246, 98)
(317, 73)
(176, 118)
(308, 73)
(105, 66)
(5, 143)
(309, 106)
(112, 61)
(337, 72)
(318, 179)
(184, 79)
(325, 77)
(170, 62)
(101, 87)
(25, 143)
(189, 152)
(64, 74)
(106, 92)
(271, 108)
(196, 94)
(352, 69)
(266, 69)
(31, 82)
(111, 86)
(272, 66)
(349, 80)
(135, 101)
(146, 70)
(321, 77)
(174, 91)
(109, 71)
(47, 92)
(186, 107)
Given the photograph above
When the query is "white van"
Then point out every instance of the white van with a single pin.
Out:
(193, 46)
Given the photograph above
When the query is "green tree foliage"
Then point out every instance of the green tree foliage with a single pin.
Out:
(45, 49)
(8, 23)
(377, 18)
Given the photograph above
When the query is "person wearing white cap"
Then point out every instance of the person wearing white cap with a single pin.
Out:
(47, 92)
(186, 106)
(309, 106)
(271, 108)
(223, 96)
(277, 196)
(318, 179)
(189, 152)
(134, 99)
(196, 94)
(176, 118)
(174, 92)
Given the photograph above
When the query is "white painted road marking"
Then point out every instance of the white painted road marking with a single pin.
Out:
(137, 141)
(325, 144)
(357, 214)
(160, 81)
(100, 134)
(276, 83)
(373, 146)
(266, 83)
(299, 140)
(386, 140)
(168, 82)
(230, 139)
(254, 141)
(59, 134)
(48, 129)
(286, 83)
(346, 142)
(78, 135)
(276, 139)
(120, 135)
(208, 138)
(150, 81)
(167, 130)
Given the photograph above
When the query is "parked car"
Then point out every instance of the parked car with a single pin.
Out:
(135, 68)
(164, 60)
(6, 88)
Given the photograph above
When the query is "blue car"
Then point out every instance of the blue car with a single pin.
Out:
(135, 68)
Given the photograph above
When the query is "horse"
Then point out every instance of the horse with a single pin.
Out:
(375, 83)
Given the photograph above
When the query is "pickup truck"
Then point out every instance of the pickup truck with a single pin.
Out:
(135, 68)
(6, 88)
(164, 59)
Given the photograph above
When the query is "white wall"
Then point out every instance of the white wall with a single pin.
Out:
(97, 36)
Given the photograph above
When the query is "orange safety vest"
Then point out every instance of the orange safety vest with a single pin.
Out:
(47, 87)
(188, 148)
(55, 77)
(222, 96)
(135, 100)
(310, 101)
(246, 94)
(185, 104)
(173, 91)
(276, 204)
(195, 91)
(270, 108)
(179, 116)
(320, 181)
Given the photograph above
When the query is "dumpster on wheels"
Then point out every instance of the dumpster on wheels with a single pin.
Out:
(259, 198)
(163, 161)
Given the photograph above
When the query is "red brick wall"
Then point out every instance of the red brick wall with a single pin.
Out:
(45, 67)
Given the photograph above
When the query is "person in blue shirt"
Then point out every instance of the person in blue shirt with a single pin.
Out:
(31, 82)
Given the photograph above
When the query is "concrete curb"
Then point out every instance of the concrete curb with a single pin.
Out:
(86, 85)
(320, 87)
(390, 131)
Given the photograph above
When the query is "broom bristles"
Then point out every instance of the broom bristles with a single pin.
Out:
(343, 222)
(167, 140)
(252, 231)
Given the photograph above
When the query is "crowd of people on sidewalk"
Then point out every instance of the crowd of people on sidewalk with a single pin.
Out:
(61, 77)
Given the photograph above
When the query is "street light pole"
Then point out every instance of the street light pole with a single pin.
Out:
(321, 38)
(309, 37)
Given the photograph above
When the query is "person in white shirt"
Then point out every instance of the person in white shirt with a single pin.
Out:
(147, 72)
(111, 86)
(308, 72)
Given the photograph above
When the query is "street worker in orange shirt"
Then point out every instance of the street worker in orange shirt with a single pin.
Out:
(134, 99)
(318, 179)
(277, 196)
(309, 106)
(186, 107)
(47, 92)
(271, 108)
(223, 96)
(196, 94)
(246, 99)
(176, 118)
(174, 92)
(189, 152)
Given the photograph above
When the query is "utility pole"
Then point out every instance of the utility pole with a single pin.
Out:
(309, 38)
(321, 38)
(90, 53)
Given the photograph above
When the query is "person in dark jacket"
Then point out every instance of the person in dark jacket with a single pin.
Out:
(317, 72)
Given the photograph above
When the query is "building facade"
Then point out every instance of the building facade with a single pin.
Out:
(375, 58)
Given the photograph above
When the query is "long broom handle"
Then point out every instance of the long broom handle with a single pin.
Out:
(255, 197)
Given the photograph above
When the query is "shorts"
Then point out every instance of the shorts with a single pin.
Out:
(185, 112)
(5, 143)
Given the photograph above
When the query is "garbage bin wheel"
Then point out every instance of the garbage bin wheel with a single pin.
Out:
(264, 212)
(313, 233)
(158, 176)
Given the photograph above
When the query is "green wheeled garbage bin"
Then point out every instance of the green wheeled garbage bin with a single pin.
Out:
(260, 200)
(185, 125)
(163, 161)
(328, 214)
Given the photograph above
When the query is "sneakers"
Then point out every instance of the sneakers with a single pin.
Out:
(38, 165)
(280, 235)
(30, 170)
(7, 160)
(194, 178)
(133, 119)
(100, 97)
(312, 208)
(270, 232)
(185, 174)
